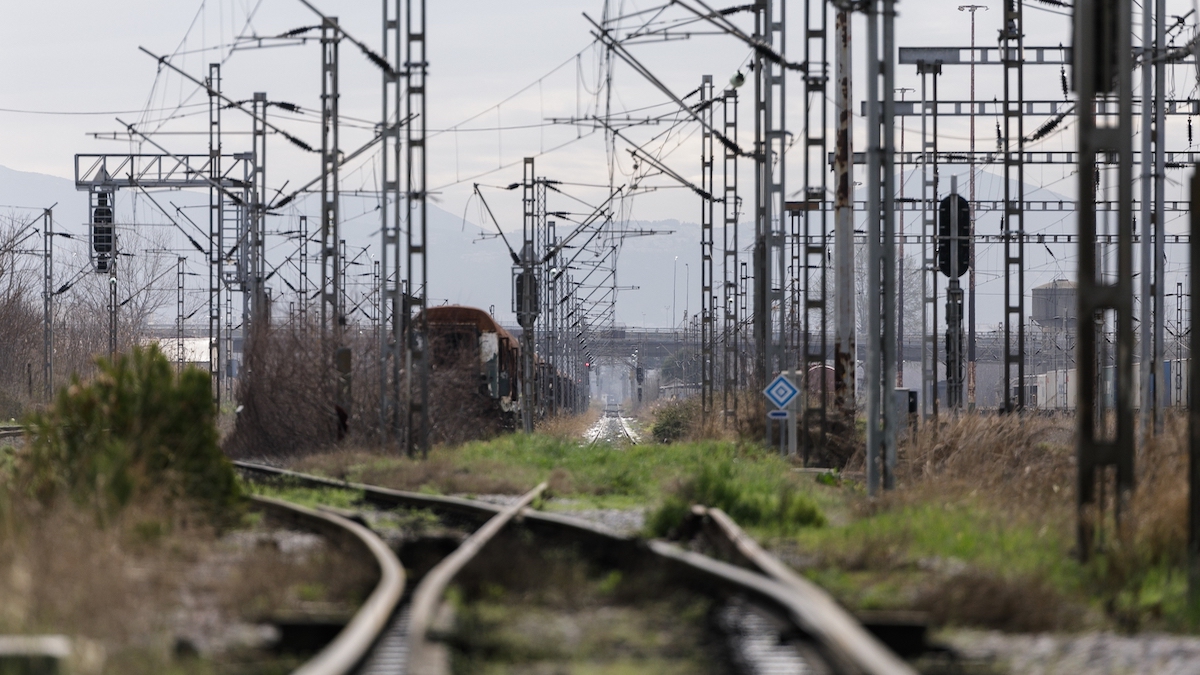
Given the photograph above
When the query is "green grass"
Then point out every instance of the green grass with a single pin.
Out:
(310, 497)
(746, 480)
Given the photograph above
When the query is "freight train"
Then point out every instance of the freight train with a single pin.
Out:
(460, 335)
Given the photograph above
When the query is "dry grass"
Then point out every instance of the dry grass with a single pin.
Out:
(569, 427)
(154, 579)
(981, 531)
(1022, 464)
(442, 471)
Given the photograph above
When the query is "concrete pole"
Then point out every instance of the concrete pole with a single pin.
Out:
(900, 263)
(874, 252)
(1160, 260)
(48, 306)
(843, 210)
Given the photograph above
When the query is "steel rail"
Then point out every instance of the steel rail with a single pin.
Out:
(343, 655)
(423, 657)
(11, 432)
(819, 613)
(831, 629)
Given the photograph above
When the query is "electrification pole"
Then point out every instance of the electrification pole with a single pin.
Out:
(47, 305)
(881, 262)
(417, 344)
(971, 272)
(845, 350)
(525, 291)
(1103, 68)
(390, 311)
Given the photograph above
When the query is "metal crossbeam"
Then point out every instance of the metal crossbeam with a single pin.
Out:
(1037, 205)
(1173, 159)
(160, 171)
(983, 56)
(1047, 108)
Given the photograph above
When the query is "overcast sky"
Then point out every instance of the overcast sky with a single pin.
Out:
(498, 71)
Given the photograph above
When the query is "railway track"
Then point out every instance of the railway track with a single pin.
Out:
(613, 430)
(9, 431)
(770, 619)
(359, 637)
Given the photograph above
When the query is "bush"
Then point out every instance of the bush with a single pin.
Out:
(675, 421)
(133, 430)
(753, 499)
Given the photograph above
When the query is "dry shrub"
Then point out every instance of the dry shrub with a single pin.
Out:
(285, 395)
(460, 408)
(978, 598)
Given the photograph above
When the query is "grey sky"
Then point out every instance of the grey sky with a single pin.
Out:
(82, 56)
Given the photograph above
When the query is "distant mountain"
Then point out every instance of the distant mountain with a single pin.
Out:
(658, 276)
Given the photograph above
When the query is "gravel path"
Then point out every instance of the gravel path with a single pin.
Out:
(1090, 653)
(621, 521)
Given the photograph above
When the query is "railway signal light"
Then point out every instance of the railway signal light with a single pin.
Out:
(526, 313)
(103, 231)
(945, 237)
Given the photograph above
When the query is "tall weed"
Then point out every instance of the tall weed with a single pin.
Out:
(135, 429)
(752, 497)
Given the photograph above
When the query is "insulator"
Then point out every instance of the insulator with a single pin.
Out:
(298, 143)
(1046, 128)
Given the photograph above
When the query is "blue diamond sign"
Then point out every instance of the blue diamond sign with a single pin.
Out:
(781, 391)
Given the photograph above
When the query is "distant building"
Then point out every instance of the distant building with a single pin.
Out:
(1055, 305)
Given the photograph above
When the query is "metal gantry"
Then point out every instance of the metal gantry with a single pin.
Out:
(255, 309)
(333, 311)
(708, 319)
(929, 211)
(1104, 424)
(216, 261)
(813, 244)
(391, 307)
(731, 301)
(417, 291)
(1012, 55)
(770, 144)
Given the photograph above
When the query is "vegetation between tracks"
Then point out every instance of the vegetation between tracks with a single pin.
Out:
(548, 609)
(754, 484)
